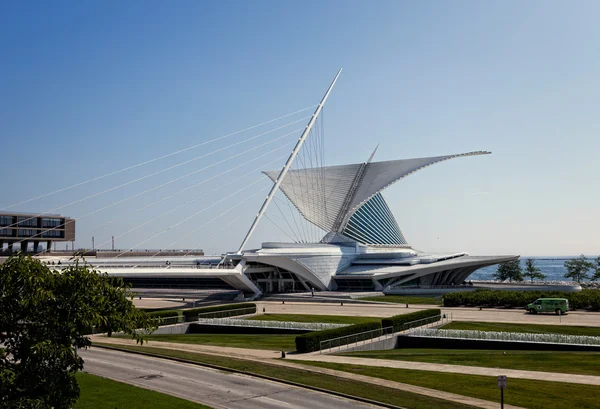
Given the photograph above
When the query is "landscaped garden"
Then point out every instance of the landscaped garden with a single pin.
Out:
(527, 328)
(583, 363)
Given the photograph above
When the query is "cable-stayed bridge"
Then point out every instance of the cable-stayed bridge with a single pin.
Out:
(342, 233)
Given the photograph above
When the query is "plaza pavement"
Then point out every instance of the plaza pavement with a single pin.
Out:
(582, 318)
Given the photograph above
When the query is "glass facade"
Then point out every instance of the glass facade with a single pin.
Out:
(51, 222)
(373, 223)
(6, 233)
(25, 221)
(6, 220)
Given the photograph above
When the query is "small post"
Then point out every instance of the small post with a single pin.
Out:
(502, 385)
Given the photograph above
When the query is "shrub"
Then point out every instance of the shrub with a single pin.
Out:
(399, 322)
(191, 315)
(312, 341)
(520, 299)
(164, 313)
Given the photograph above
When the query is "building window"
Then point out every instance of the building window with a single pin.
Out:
(6, 220)
(53, 233)
(26, 232)
(27, 221)
(5, 232)
(51, 222)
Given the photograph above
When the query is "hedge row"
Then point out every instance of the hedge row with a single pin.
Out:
(164, 313)
(193, 313)
(312, 341)
(399, 322)
(589, 299)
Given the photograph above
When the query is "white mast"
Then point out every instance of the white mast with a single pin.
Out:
(287, 165)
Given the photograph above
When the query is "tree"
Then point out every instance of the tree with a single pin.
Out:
(532, 271)
(45, 315)
(577, 268)
(511, 270)
(597, 270)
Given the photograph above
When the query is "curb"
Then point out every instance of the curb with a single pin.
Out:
(269, 378)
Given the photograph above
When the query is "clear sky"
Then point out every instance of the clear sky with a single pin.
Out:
(87, 88)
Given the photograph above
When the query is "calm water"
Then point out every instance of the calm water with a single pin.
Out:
(553, 267)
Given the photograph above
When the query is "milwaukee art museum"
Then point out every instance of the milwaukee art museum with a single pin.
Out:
(364, 248)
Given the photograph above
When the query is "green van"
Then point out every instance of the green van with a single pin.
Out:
(555, 305)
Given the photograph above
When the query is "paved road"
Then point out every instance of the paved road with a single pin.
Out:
(203, 385)
(584, 318)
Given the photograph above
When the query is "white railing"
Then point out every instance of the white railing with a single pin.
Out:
(226, 313)
(236, 322)
(353, 340)
(429, 322)
(505, 336)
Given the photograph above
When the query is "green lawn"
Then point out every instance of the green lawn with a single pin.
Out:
(377, 393)
(333, 319)
(535, 328)
(269, 342)
(519, 392)
(99, 393)
(406, 299)
(583, 363)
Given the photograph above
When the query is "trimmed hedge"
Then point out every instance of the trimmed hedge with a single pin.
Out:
(312, 341)
(193, 313)
(519, 299)
(398, 322)
(164, 313)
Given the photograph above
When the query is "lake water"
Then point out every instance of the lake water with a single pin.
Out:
(552, 267)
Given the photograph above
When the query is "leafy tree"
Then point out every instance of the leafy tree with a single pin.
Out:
(577, 268)
(597, 270)
(511, 270)
(45, 315)
(531, 271)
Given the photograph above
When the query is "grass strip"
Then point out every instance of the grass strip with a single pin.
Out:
(406, 299)
(519, 392)
(330, 319)
(98, 392)
(326, 383)
(528, 328)
(271, 342)
(581, 363)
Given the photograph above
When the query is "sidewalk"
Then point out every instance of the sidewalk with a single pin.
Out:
(262, 355)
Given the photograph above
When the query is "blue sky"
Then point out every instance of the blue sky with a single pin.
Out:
(88, 88)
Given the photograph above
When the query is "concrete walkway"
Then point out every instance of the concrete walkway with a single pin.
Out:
(495, 315)
(267, 357)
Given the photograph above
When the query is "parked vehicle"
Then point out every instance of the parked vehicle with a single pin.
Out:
(555, 305)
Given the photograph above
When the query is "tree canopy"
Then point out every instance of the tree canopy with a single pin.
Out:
(578, 268)
(597, 269)
(531, 271)
(45, 315)
(510, 270)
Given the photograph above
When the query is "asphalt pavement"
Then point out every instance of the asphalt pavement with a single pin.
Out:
(211, 387)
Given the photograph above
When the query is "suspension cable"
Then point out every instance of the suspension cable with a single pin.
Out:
(156, 159)
(156, 173)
